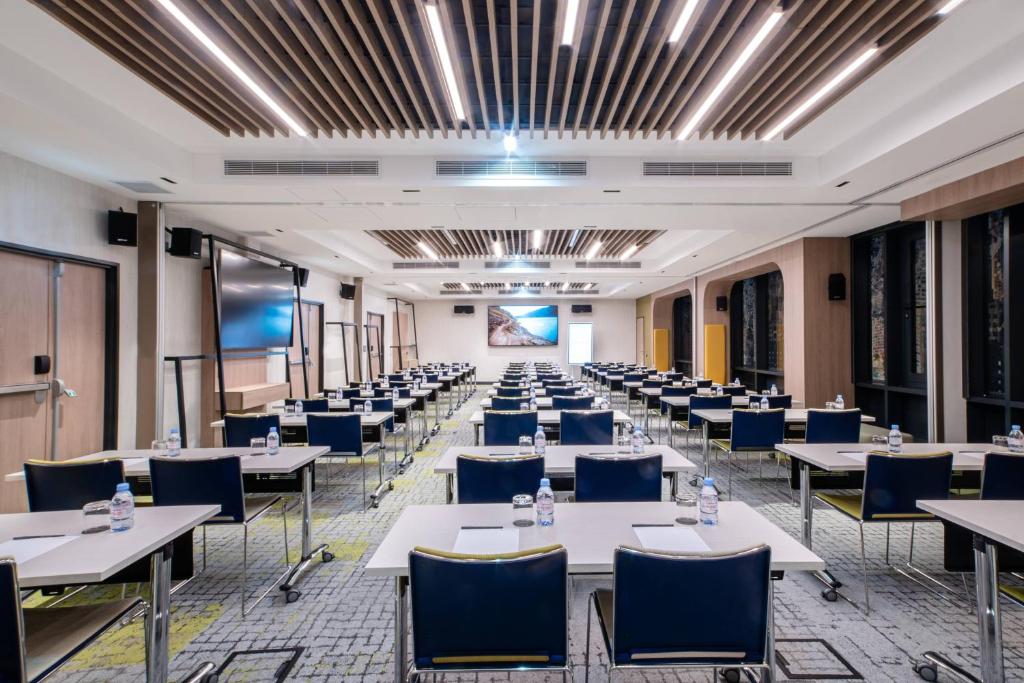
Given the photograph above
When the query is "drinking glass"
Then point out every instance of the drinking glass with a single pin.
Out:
(880, 442)
(1000, 441)
(96, 516)
(525, 445)
(522, 510)
(159, 446)
(257, 445)
(524, 406)
(289, 408)
(686, 506)
(830, 405)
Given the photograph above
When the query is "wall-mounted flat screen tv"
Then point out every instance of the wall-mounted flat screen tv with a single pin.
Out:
(522, 325)
(255, 303)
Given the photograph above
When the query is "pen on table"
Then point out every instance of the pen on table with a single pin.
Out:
(479, 528)
(644, 526)
(27, 538)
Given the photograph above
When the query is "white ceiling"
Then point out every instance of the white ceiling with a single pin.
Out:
(960, 89)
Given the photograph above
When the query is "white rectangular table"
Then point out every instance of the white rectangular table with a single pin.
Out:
(590, 533)
(684, 402)
(544, 417)
(561, 460)
(91, 558)
(991, 521)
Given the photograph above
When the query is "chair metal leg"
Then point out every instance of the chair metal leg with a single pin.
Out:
(362, 469)
(204, 547)
(586, 656)
(245, 564)
(864, 567)
(284, 523)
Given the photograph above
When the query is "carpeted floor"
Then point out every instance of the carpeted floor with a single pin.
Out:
(342, 627)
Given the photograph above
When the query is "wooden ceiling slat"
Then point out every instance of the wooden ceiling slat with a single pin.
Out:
(513, 33)
(474, 51)
(595, 51)
(570, 74)
(556, 39)
(625, 78)
(641, 82)
(613, 59)
(492, 32)
(398, 8)
(446, 23)
(533, 65)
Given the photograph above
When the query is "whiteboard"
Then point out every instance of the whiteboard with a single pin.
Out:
(581, 343)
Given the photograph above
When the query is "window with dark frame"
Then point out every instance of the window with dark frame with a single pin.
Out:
(756, 331)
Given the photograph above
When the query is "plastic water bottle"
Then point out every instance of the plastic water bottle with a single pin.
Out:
(339, 392)
(775, 390)
(298, 407)
(540, 442)
(122, 509)
(764, 403)
(174, 443)
(840, 403)
(1015, 440)
(368, 406)
(533, 403)
(394, 394)
(545, 502)
(273, 441)
(720, 391)
(637, 441)
(895, 439)
(736, 381)
(533, 391)
(708, 502)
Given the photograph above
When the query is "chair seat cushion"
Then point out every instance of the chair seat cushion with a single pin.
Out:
(849, 504)
(54, 635)
(724, 444)
(1015, 593)
(254, 506)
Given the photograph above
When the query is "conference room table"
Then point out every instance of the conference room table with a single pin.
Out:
(423, 394)
(401, 405)
(543, 402)
(852, 457)
(684, 402)
(991, 522)
(560, 461)
(590, 533)
(548, 418)
(92, 558)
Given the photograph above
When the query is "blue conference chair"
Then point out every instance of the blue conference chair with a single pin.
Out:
(829, 426)
(503, 428)
(54, 485)
(586, 428)
(216, 481)
(753, 431)
(240, 429)
(38, 641)
(496, 479)
(703, 383)
(343, 435)
(572, 402)
(780, 401)
(603, 479)
(466, 609)
(350, 392)
(383, 405)
(1003, 477)
(511, 383)
(562, 391)
(693, 424)
(734, 390)
(555, 383)
(310, 405)
(511, 392)
(508, 403)
(639, 617)
(893, 483)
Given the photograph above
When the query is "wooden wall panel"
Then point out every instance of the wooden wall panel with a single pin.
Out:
(988, 190)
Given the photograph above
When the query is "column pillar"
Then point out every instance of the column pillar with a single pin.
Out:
(149, 376)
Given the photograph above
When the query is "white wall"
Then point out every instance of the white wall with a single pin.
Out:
(444, 336)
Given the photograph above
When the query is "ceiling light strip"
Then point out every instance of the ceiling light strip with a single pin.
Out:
(730, 74)
(683, 20)
(949, 7)
(233, 67)
(447, 70)
(594, 248)
(428, 252)
(569, 27)
(824, 90)
(630, 250)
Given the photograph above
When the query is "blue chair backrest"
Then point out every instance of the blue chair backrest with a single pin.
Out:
(703, 383)
(349, 393)
(379, 405)
(510, 382)
(669, 390)
(734, 391)
(310, 405)
(894, 483)
(653, 383)
(586, 428)
(572, 402)
(1003, 477)
(757, 429)
(465, 610)
(561, 391)
(505, 428)
(491, 479)
(396, 378)
(511, 391)
(626, 479)
(342, 433)
(647, 601)
(12, 647)
(239, 430)
(555, 383)
(69, 486)
(508, 403)
(833, 426)
(705, 403)
(206, 481)
(780, 401)
(633, 377)
(432, 377)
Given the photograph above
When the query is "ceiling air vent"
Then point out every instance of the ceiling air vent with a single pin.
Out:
(720, 169)
(336, 167)
(459, 292)
(141, 186)
(607, 264)
(499, 265)
(504, 168)
(423, 265)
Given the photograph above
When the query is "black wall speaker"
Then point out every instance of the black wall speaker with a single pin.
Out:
(721, 303)
(123, 228)
(187, 242)
(348, 291)
(464, 310)
(582, 308)
(836, 287)
(301, 276)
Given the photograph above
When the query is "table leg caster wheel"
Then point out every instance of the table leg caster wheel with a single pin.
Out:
(927, 671)
(292, 595)
(391, 486)
(731, 675)
(326, 556)
(830, 594)
(210, 678)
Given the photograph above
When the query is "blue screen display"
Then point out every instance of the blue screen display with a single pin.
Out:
(255, 303)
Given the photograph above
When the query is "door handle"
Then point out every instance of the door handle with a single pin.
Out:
(63, 390)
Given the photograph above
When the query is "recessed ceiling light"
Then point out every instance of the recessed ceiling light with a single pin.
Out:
(949, 7)
(410, 190)
(233, 67)
(279, 229)
(843, 184)
(509, 142)
(730, 74)
(447, 70)
(569, 28)
(630, 250)
(168, 180)
(428, 252)
(594, 248)
(824, 90)
(683, 20)
(538, 239)
(496, 248)
(611, 191)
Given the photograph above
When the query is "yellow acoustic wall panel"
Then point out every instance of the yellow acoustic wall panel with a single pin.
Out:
(661, 350)
(714, 353)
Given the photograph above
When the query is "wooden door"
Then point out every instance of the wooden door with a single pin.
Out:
(313, 330)
(374, 341)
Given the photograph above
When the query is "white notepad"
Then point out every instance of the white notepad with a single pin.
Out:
(131, 462)
(675, 539)
(859, 456)
(24, 550)
(487, 541)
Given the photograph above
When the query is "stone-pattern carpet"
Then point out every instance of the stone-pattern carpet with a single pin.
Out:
(344, 619)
